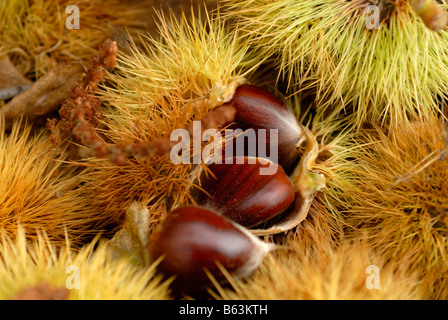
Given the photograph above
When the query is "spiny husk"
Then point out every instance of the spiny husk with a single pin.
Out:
(317, 263)
(171, 81)
(398, 197)
(34, 33)
(37, 192)
(196, 61)
(25, 264)
(397, 71)
(334, 136)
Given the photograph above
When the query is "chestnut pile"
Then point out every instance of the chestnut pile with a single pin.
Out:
(236, 200)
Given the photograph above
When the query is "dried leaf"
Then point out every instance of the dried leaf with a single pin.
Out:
(45, 95)
(10, 76)
(11, 92)
(132, 239)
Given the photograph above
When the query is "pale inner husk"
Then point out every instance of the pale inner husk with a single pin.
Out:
(306, 184)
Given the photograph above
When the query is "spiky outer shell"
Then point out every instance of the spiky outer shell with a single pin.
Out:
(174, 79)
(398, 70)
(398, 197)
(37, 192)
(87, 273)
(316, 263)
(35, 36)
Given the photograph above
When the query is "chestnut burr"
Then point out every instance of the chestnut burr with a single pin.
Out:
(241, 192)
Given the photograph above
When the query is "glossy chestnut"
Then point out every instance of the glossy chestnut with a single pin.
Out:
(257, 108)
(193, 239)
(244, 193)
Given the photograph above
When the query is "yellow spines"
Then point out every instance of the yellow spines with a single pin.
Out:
(38, 192)
(87, 273)
(35, 36)
(329, 47)
(398, 197)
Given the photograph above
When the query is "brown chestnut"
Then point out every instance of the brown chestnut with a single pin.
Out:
(193, 239)
(257, 108)
(241, 192)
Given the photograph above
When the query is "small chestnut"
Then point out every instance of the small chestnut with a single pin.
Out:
(257, 108)
(240, 192)
(193, 239)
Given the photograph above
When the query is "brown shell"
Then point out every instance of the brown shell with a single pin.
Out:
(306, 184)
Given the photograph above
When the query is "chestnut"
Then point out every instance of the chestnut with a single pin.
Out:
(257, 108)
(193, 239)
(241, 192)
